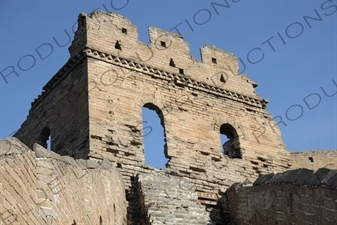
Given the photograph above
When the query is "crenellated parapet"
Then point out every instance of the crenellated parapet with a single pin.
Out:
(314, 159)
(113, 38)
(116, 35)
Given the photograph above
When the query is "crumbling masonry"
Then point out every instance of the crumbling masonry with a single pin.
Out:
(92, 109)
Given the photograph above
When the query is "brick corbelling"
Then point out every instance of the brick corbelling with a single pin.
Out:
(178, 79)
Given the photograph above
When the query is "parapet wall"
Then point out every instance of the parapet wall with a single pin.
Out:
(42, 187)
(314, 159)
(110, 33)
(293, 197)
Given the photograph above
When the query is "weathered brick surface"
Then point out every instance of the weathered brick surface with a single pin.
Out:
(64, 111)
(168, 199)
(295, 197)
(44, 188)
(314, 159)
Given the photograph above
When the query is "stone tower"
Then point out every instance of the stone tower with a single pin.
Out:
(92, 108)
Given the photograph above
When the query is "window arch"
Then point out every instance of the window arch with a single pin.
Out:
(44, 138)
(154, 136)
(231, 145)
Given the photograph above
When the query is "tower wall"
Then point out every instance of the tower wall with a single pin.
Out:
(60, 112)
(192, 104)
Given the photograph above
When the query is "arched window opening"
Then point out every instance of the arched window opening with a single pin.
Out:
(44, 138)
(100, 220)
(155, 147)
(230, 141)
(224, 139)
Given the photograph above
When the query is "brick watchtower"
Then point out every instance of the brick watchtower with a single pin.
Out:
(92, 107)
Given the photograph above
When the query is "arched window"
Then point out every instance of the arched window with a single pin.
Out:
(44, 138)
(230, 141)
(155, 147)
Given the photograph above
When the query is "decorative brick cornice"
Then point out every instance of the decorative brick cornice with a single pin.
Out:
(178, 79)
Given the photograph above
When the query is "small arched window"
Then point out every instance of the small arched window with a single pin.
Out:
(155, 146)
(230, 141)
(44, 138)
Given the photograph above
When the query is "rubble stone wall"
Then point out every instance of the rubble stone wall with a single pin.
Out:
(168, 199)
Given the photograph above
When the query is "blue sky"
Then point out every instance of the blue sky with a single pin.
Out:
(299, 55)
